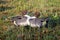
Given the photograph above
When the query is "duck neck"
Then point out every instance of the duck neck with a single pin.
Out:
(28, 20)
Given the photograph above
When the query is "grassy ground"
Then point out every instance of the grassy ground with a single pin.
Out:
(47, 8)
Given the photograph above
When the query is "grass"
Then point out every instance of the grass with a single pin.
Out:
(47, 8)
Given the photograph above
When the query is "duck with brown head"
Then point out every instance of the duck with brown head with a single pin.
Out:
(20, 20)
(32, 21)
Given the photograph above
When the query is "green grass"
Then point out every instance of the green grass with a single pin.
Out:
(47, 8)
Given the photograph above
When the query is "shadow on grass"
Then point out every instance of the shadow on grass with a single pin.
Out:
(3, 2)
(2, 8)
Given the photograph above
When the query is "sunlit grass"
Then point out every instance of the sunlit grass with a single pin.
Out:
(47, 8)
